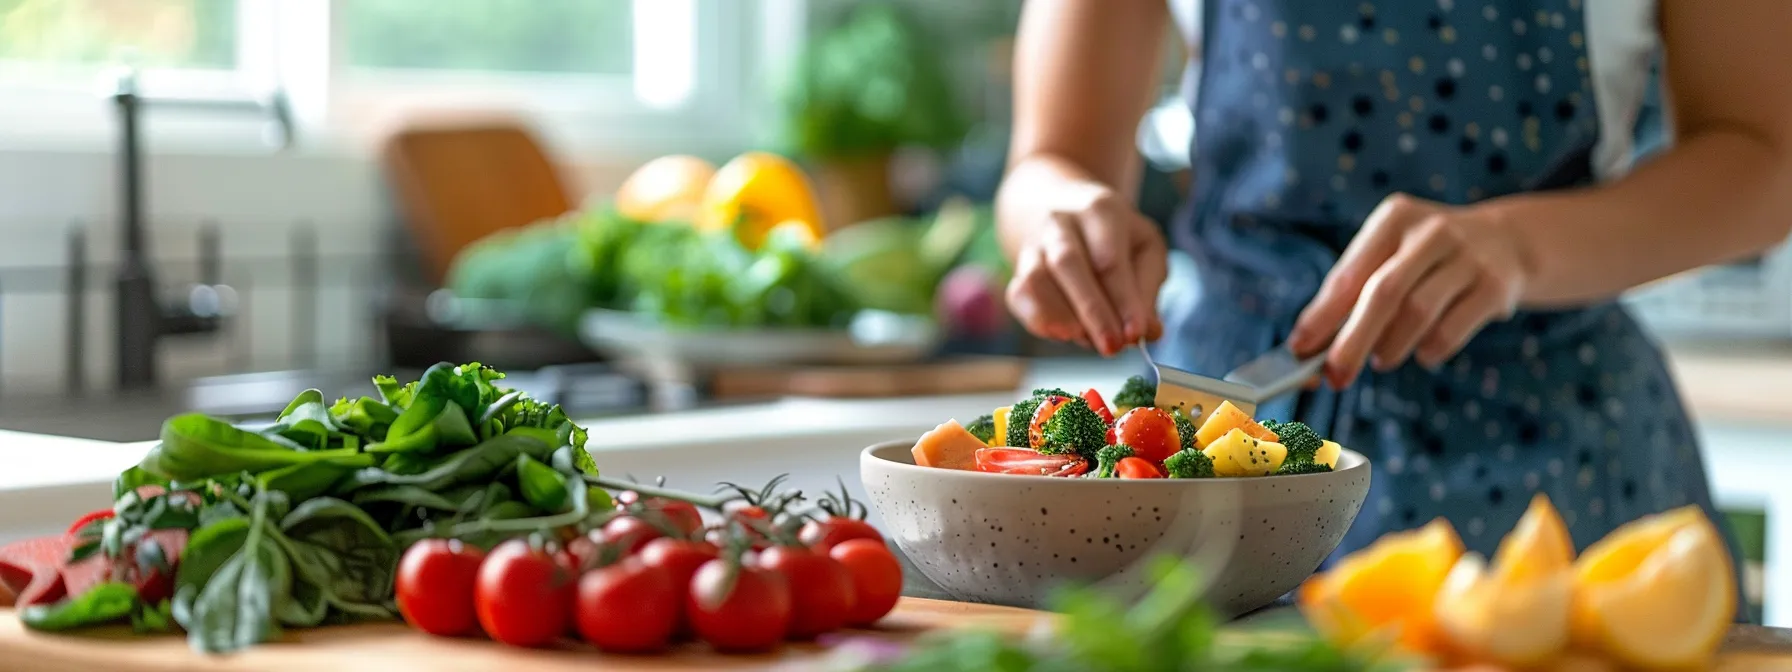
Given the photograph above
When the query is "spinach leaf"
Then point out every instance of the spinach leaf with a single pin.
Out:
(409, 463)
(471, 465)
(153, 619)
(366, 416)
(101, 604)
(195, 447)
(131, 479)
(306, 421)
(395, 395)
(497, 408)
(235, 609)
(306, 480)
(543, 488)
(449, 427)
(407, 494)
(341, 548)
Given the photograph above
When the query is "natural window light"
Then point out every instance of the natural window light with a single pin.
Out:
(627, 67)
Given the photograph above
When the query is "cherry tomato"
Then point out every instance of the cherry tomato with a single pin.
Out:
(628, 607)
(435, 586)
(630, 533)
(682, 515)
(524, 594)
(680, 559)
(1036, 427)
(876, 579)
(1100, 405)
(102, 514)
(1150, 431)
(1135, 467)
(753, 517)
(1030, 462)
(752, 617)
(821, 590)
(823, 534)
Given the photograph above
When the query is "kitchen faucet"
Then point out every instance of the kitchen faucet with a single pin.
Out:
(142, 317)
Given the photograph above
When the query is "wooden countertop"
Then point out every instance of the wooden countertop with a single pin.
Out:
(392, 647)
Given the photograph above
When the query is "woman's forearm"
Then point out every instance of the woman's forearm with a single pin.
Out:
(1715, 197)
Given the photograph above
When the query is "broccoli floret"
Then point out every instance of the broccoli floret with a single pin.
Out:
(1045, 392)
(1292, 468)
(984, 428)
(1185, 428)
(1107, 460)
(1074, 428)
(1189, 463)
(1135, 393)
(1020, 417)
(1302, 442)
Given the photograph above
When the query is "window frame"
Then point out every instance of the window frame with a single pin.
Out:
(298, 46)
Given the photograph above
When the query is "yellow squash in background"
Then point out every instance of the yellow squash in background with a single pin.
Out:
(669, 188)
(757, 192)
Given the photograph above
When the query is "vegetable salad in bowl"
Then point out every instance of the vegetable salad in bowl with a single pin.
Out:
(1052, 432)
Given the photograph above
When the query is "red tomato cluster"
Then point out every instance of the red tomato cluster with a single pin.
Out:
(1150, 432)
(629, 587)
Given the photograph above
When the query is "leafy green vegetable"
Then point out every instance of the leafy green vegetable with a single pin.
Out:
(1136, 392)
(104, 603)
(472, 464)
(304, 481)
(1170, 628)
(868, 86)
(542, 486)
(133, 478)
(235, 608)
(983, 427)
(306, 421)
(195, 447)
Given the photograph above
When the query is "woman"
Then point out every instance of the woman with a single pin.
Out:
(1436, 194)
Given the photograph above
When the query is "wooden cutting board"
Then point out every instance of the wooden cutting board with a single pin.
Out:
(392, 647)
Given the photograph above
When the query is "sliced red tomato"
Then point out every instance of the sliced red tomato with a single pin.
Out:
(1137, 467)
(1100, 405)
(1151, 432)
(1036, 427)
(1029, 462)
(31, 570)
(102, 514)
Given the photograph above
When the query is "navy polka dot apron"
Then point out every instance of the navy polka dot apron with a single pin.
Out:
(1308, 114)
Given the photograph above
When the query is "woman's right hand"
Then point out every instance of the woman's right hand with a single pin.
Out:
(1089, 272)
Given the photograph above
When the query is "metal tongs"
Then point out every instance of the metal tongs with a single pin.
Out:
(1270, 375)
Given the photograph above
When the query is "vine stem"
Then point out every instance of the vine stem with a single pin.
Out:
(711, 503)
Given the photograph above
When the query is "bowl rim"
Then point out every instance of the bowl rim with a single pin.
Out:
(870, 454)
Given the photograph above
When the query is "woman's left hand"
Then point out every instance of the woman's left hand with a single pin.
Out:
(1418, 281)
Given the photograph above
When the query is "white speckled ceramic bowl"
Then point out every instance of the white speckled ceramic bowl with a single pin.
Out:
(1009, 539)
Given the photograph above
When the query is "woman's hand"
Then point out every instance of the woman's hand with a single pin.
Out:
(1089, 272)
(1418, 281)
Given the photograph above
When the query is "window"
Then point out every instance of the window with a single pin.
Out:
(568, 36)
(607, 70)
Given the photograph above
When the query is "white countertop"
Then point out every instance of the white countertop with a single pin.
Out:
(49, 480)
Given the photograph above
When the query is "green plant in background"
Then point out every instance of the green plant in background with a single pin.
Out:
(869, 86)
(1168, 629)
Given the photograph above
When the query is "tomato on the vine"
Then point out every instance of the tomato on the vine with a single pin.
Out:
(1151, 432)
(1030, 462)
(628, 607)
(680, 558)
(435, 586)
(1135, 467)
(754, 616)
(876, 579)
(821, 589)
(523, 594)
(822, 535)
(680, 514)
(630, 533)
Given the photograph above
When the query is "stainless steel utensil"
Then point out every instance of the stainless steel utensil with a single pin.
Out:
(1270, 375)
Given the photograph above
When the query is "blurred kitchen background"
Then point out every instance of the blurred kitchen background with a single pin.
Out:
(214, 204)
